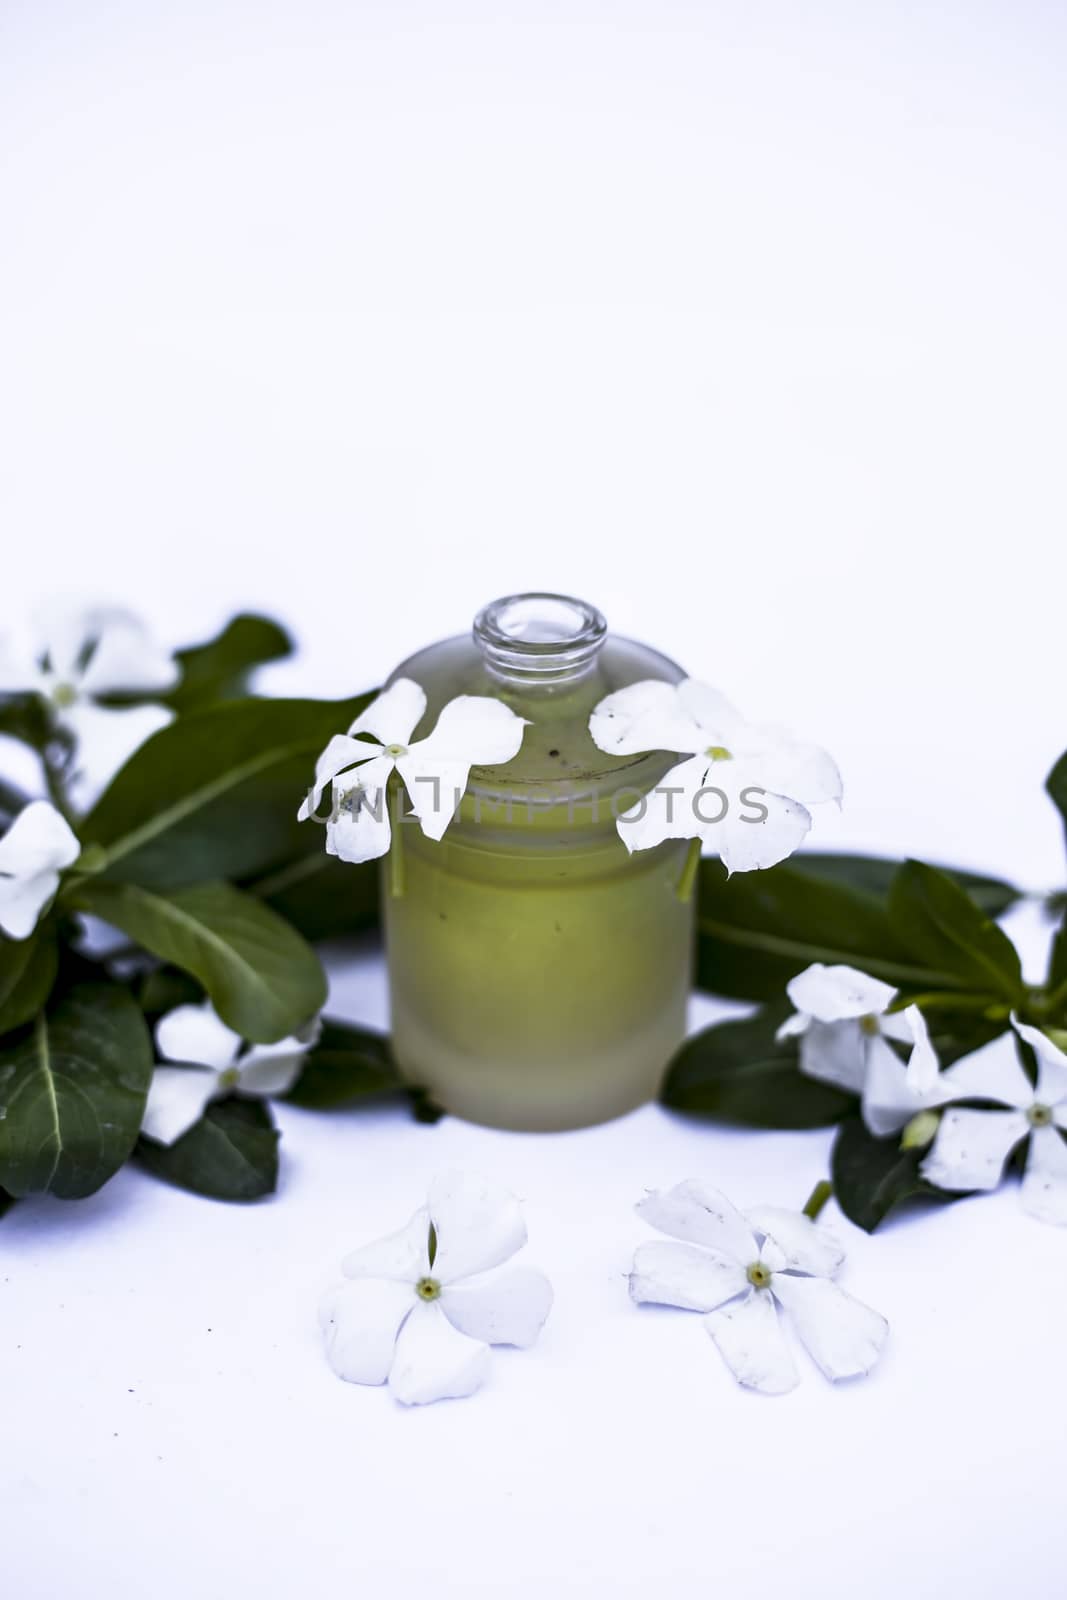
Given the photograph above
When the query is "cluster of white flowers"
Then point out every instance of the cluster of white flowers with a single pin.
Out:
(762, 780)
(844, 1026)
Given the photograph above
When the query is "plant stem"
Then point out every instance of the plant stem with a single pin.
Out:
(689, 871)
(818, 1197)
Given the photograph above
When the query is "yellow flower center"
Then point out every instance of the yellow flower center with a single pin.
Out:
(718, 752)
(428, 1289)
(759, 1276)
(1039, 1116)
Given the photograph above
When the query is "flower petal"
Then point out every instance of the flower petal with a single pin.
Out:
(177, 1099)
(473, 730)
(700, 1215)
(435, 789)
(359, 828)
(669, 811)
(1051, 1064)
(686, 1275)
(842, 1335)
(197, 1034)
(1044, 1189)
(645, 716)
(341, 753)
(124, 657)
(718, 721)
(271, 1069)
(360, 1321)
(971, 1148)
(804, 1246)
(394, 715)
(832, 993)
(38, 844)
(924, 1069)
(506, 1306)
(792, 767)
(993, 1072)
(890, 1099)
(434, 1361)
(835, 1052)
(404, 1255)
(750, 1341)
(39, 840)
(747, 841)
(478, 1225)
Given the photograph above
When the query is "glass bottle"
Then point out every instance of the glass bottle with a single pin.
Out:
(538, 971)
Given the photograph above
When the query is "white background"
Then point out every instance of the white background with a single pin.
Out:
(745, 322)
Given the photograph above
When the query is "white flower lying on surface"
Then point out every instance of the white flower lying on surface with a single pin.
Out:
(472, 730)
(33, 852)
(843, 1023)
(79, 659)
(218, 1064)
(744, 789)
(422, 1306)
(734, 1268)
(972, 1145)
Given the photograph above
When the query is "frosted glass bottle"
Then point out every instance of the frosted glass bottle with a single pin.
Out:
(538, 971)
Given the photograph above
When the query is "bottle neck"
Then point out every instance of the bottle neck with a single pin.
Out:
(539, 640)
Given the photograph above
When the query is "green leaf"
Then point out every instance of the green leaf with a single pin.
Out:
(737, 1072)
(263, 979)
(875, 875)
(72, 1094)
(757, 930)
(872, 1176)
(944, 927)
(347, 1064)
(215, 794)
(27, 973)
(220, 668)
(165, 988)
(230, 1154)
(322, 897)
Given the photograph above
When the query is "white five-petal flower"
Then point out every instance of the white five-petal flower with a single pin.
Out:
(472, 730)
(218, 1063)
(744, 789)
(844, 1024)
(75, 660)
(973, 1145)
(421, 1307)
(738, 1269)
(36, 848)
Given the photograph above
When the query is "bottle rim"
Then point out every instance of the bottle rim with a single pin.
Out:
(539, 636)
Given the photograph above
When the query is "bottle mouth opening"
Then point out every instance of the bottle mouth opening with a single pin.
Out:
(539, 636)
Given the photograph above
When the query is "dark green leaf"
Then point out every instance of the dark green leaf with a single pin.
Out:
(12, 801)
(737, 1072)
(1056, 784)
(27, 973)
(347, 1064)
(322, 897)
(6, 1201)
(216, 793)
(230, 1154)
(166, 988)
(875, 874)
(26, 717)
(263, 979)
(220, 669)
(872, 1176)
(757, 930)
(944, 927)
(72, 1094)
